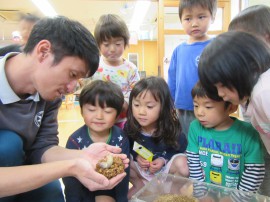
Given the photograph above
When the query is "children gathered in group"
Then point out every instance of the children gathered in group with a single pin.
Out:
(112, 36)
(196, 17)
(101, 103)
(221, 149)
(154, 131)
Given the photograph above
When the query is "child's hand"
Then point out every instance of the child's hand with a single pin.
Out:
(143, 163)
(156, 165)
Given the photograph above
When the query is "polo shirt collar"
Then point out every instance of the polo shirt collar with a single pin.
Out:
(7, 95)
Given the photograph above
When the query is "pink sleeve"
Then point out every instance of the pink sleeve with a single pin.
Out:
(260, 116)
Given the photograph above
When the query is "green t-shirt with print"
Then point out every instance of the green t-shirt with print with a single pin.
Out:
(223, 154)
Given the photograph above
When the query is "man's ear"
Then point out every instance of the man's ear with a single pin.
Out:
(43, 49)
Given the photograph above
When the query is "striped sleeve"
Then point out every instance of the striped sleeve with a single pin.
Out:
(195, 170)
(252, 177)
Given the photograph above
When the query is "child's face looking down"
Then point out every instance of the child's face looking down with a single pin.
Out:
(99, 119)
(229, 95)
(112, 50)
(210, 113)
(146, 111)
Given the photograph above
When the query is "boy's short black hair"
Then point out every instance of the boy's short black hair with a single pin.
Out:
(103, 93)
(211, 5)
(67, 38)
(111, 26)
(199, 91)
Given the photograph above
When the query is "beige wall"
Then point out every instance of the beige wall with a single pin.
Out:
(147, 56)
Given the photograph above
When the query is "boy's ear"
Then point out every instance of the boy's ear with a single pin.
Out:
(233, 108)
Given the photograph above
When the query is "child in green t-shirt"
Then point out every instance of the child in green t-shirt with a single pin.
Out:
(221, 149)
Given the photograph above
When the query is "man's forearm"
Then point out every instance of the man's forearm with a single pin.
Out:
(15, 180)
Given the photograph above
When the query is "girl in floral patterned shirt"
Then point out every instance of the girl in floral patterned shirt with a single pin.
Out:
(112, 36)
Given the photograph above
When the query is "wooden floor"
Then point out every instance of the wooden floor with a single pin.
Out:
(69, 120)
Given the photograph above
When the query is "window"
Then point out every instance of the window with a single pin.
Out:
(133, 57)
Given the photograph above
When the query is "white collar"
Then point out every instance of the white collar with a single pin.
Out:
(7, 95)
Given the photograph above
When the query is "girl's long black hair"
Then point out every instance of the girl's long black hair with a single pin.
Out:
(168, 126)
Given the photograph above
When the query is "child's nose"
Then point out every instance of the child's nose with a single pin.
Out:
(112, 47)
(142, 110)
(99, 114)
(220, 93)
(200, 112)
(194, 22)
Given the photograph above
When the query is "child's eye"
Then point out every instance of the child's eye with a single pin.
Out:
(150, 107)
(201, 17)
(187, 19)
(108, 110)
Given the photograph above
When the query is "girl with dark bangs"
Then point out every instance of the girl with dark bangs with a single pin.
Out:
(153, 127)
